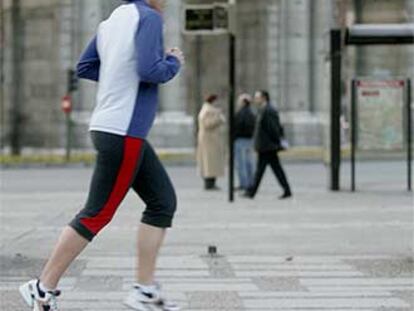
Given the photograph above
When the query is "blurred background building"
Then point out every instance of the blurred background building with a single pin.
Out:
(282, 46)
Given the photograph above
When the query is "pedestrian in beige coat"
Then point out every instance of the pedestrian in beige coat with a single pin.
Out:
(210, 150)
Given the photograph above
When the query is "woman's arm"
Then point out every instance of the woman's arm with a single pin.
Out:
(153, 65)
(89, 63)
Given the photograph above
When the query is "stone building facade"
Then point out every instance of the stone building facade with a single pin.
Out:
(282, 46)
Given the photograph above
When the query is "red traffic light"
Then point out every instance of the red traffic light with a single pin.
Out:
(66, 104)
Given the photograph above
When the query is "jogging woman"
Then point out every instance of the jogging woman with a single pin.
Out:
(127, 59)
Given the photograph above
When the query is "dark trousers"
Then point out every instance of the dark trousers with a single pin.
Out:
(125, 163)
(269, 158)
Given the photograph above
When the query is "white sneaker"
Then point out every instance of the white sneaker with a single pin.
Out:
(139, 300)
(37, 299)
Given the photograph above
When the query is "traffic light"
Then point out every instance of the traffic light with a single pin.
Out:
(73, 81)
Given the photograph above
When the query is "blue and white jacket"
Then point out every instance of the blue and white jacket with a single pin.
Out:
(127, 58)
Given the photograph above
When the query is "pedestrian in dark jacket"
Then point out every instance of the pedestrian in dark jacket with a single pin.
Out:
(245, 121)
(267, 142)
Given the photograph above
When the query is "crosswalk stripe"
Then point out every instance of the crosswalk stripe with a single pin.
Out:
(357, 281)
(321, 304)
(326, 294)
(298, 273)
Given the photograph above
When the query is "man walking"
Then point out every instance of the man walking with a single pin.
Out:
(127, 58)
(267, 142)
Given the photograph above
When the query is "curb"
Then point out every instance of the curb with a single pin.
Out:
(188, 158)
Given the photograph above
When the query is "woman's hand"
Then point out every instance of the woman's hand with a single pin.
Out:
(176, 52)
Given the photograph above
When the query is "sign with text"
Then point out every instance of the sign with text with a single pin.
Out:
(380, 110)
(207, 19)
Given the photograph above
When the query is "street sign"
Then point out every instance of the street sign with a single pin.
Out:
(208, 19)
(66, 104)
(199, 18)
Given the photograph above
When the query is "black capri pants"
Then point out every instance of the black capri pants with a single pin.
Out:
(122, 163)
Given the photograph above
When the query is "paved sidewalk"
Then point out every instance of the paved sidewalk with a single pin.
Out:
(319, 251)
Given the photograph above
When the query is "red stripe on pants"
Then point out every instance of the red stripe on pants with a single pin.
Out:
(132, 151)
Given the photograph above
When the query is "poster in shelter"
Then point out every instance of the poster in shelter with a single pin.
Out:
(380, 114)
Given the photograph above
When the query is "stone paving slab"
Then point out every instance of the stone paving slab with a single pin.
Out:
(318, 252)
(256, 292)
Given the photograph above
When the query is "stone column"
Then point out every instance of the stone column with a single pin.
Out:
(86, 16)
(2, 74)
(324, 20)
(173, 127)
(172, 95)
(273, 52)
(320, 42)
(295, 28)
(300, 64)
(90, 15)
(410, 48)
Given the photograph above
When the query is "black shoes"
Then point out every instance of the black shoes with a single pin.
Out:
(210, 184)
(248, 194)
(213, 188)
(286, 195)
